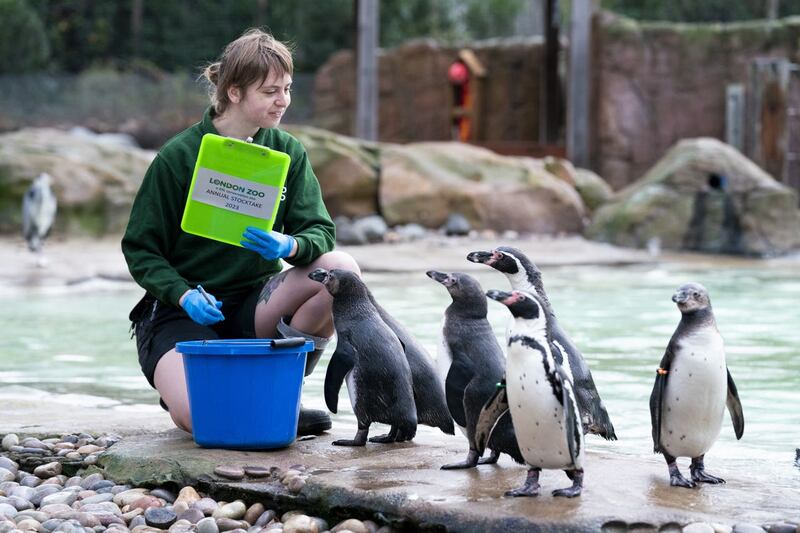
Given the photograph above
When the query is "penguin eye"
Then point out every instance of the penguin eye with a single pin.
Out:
(696, 295)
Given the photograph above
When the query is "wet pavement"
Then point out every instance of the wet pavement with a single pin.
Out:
(402, 483)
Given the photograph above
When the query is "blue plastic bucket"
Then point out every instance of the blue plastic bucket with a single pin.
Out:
(244, 393)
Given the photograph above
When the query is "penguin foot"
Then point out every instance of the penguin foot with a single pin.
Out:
(699, 476)
(386, 439)
(677, 480)
(492, 459)
(359, 440)
(577, 485)
(524, 491)
(346, 442)
(569, 492)
(531, 486)
(470, 462)
(383, 439)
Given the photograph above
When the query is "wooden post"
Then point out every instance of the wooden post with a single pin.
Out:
(579, 83)
(550, 96)
(367, 70)
(136, 26)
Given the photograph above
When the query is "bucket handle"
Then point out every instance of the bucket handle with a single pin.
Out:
(291, 342)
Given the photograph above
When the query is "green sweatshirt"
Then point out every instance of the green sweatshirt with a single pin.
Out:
(167, 262)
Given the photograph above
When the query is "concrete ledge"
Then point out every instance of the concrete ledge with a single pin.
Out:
(402, 484)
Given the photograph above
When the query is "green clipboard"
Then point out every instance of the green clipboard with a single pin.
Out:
(235, 184)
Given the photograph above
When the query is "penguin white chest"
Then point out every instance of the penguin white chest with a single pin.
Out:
(694, 400)
(537, 414)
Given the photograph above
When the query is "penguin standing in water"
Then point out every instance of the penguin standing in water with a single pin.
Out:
(541, 397)
(524, 275)
(370, 358)
(471, 363)
(693, 385)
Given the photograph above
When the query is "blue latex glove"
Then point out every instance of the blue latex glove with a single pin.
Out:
(272, 245)
(200, 310)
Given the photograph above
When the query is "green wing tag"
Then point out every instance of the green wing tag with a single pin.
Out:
(235, 184)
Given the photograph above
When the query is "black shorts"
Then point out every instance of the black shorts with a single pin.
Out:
(158, 326)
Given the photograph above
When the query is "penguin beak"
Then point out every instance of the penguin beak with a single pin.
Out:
(441, 277)
(505, 298)
(320, 275)
(680, 297)
(479, 257)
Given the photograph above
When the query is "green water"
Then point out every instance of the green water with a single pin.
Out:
(75, 341)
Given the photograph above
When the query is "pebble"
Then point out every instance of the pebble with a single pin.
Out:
(10, 441)
(193, 516)
(265, 518)
(254, 471)
(234, 510)
(163, 494)
(7, 475)
(98, 498)
(187, 495)
(206, 505)
(698, 527)
(159, 517)
(92, 479)
(296, 484)
(300, 524)
(230, 472)
(129, 496)
(47, 470)
(146, 502)
(207, 525)
(253, 512)
(89, 449)
(66, 498)
(782, 527)
(229, 524)
(747, 528)
(8, 510)
(8, 464)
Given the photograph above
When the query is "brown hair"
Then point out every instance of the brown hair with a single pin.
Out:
(247, 60)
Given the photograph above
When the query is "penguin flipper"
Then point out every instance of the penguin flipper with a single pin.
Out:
(572, 420)
(735, 407)
(342, 362)
(657, 397)
(589, 402)
(458, 378)
(491, 413)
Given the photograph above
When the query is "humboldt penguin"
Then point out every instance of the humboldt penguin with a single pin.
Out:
(471, 363)
(524, 275)
(429, 395)
(692, 387)
(370, 357)
(541, 396)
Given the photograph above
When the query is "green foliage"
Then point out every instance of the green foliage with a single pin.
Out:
(186, 34)
(23, 42)
(698, 10)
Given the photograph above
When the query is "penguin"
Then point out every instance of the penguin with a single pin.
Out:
(541, 396)
(370, 358)
(471, 362)
(429, 395)
(524, 275)
(692, 387)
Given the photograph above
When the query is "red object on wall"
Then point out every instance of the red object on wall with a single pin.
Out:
(458, 73)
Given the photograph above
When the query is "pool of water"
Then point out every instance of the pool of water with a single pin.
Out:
(74, 341)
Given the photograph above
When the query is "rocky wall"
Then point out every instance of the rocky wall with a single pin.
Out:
(656, 83)
(414, 93)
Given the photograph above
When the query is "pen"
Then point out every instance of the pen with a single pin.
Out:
(205, 295)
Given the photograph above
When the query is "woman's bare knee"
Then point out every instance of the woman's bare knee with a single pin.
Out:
(337, 259)
(170, 381)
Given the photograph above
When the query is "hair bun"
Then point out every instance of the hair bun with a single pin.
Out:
(212, 72)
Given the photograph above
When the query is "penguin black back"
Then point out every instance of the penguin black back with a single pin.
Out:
(370, 357)
(476, 364)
